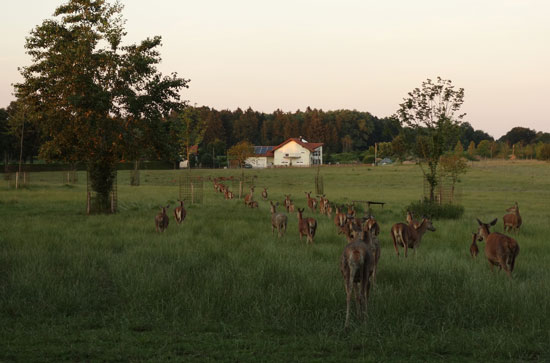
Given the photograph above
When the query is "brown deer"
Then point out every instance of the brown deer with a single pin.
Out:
(356, 266)
(322, 204)
(411, 221)
(291, 207)
(351, 229)
(351, 209)
(278, 220)
(306, 226)
(500, 249)
(339, 217)
(264, 194)
(311, 202)
(409, 236)
(253, 204)
(474, 250)
(370, 224)
(512, 221)
(287, 202)
(161, 220)
(249, 197)
(180, 213)
(329, 210)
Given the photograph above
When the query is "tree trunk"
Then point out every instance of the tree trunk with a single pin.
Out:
(102, 176)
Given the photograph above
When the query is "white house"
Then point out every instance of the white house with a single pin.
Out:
(298, 152)
(263, 157)
(292, 152)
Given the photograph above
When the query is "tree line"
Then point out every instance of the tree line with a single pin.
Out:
(348, 135)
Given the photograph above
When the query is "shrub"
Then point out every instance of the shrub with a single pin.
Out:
(435, 210)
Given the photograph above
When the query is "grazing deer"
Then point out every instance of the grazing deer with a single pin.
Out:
(306, 226)
(512, 221)
(253, 204)
(161, 219)
(409, 236)
(411, 221)
(311, 202)
(474, 250)
(264, 194)
(278, 220)
(500, 249)
(287, 202)
(249, 197)
(180, 213)
(356, 266)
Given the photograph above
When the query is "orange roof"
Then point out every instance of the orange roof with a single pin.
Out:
(311, 146)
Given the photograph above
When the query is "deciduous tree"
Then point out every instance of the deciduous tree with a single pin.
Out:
(431, 110)
(90, 94)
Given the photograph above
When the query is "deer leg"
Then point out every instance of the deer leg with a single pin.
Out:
(395, 245)
(348, 298)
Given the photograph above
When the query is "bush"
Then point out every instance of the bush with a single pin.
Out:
(368, 159)
(434, 210)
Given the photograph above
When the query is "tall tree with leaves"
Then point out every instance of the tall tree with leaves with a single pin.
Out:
(90, 94)
(431, 110)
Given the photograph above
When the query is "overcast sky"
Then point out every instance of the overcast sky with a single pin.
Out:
(346, 54)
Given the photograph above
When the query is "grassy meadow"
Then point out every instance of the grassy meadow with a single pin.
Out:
(221, 287)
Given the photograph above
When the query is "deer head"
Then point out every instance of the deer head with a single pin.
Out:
(483, 230)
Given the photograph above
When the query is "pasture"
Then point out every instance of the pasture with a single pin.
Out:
(221, 287)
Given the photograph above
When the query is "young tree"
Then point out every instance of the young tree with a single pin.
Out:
(459, 149)
(453, 166)
(431, 111)
(472, 149)
(240, 152)
(84, 87)
(192, 129)
(484, 148)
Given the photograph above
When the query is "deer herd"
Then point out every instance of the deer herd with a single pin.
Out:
(361, 254)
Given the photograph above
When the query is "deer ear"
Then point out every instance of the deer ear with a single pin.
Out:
(479, 222)
(494, 222)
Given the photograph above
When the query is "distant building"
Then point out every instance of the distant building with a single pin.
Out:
(292, 152)
(263, 157)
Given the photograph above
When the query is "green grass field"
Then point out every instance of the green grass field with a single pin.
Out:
(221, 287)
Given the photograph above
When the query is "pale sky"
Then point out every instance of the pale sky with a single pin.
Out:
(346, 54)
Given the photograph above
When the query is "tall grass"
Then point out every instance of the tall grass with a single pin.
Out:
(223, 287)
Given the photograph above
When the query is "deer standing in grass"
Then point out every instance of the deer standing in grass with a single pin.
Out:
(329, 210)
(339, 217)
(180, 213)
(512, 221)
(322, 204)
(411, 221)
(306, 226)
(474, 250)
(264, 194)
(161, 219)
(409, 236)
(291, 207)
(311, 202)
(278, 220)
(371, 226)
(500, 249)
(356, 266)
(287, 202)
(249, 197)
